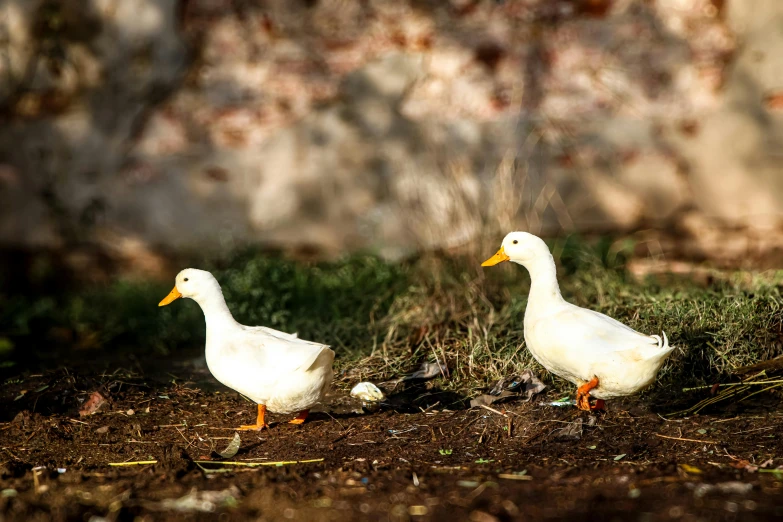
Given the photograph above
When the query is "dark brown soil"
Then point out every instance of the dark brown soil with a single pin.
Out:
(441, 464)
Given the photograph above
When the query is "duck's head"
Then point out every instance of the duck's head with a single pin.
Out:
(195, 284)
(519, 247)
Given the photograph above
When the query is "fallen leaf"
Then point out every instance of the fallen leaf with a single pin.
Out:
(486, 399)
(93, 404)
(744, 464)
(232, 448)
(523, 385)
(572, 431)
(687, 468)
(620, 456)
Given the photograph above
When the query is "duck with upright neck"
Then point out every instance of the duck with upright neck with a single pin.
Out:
(279, 371)
(602, 356)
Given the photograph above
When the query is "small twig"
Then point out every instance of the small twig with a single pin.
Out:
(511, 476)
(343, 435)
(686, 440)
(493, 410)
(468, 424)
(190, 443)
(136, 463)
(256, 464)
(757, 429)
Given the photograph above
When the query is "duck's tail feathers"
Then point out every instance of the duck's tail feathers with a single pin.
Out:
(663, 343)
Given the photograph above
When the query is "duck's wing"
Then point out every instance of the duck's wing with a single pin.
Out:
(273, 332)
(597, 332)
(281, 351)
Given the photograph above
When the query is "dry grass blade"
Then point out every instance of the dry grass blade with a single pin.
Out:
(134, 463)
(256, 464)
(686, 440)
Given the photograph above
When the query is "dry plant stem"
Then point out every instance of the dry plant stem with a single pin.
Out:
(686, 440)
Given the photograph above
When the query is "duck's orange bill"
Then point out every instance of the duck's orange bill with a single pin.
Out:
(499, 257)
(173, 296)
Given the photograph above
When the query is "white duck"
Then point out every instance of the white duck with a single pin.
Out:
(602, 356)
(279, 371)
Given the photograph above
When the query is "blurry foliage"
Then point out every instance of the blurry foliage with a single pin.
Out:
(384, 318)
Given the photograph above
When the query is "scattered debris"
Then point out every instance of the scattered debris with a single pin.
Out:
(687, 468)
(232, 448)
(102, 430)
(92, 405)
(744, 465)
(572, 431)
(524, 385)
(565, 401)
(620, 456)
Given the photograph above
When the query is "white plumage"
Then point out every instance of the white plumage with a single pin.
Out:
(575, 343)
(277, 370)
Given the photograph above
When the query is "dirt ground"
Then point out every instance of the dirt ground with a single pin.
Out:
(431, 460)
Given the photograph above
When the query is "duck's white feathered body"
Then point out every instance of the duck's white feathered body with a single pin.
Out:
(278, 370)
(275, 369)
(575, 343)
(578, 344)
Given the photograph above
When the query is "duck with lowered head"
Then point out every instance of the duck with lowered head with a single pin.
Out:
(280, 372)
(602, 356)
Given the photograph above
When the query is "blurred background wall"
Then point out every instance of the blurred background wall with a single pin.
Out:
(141, 128)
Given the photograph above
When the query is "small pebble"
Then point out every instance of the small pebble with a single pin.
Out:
(102, 429)
(130, 412)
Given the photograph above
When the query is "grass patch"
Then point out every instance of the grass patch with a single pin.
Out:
(384, 319)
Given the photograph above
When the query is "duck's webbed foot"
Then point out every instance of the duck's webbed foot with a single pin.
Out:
(583, 396)
(300, 418)
(260, 422)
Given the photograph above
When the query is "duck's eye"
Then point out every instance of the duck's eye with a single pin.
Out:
(515, 242)
(185, 279)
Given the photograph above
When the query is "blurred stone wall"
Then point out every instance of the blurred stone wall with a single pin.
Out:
(141, 126)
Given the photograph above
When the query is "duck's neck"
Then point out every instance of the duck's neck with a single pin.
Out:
(216, 312)
(544, 289)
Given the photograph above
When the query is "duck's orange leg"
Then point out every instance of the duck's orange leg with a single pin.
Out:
(583, 395)
(260, 422)
(300, 418)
